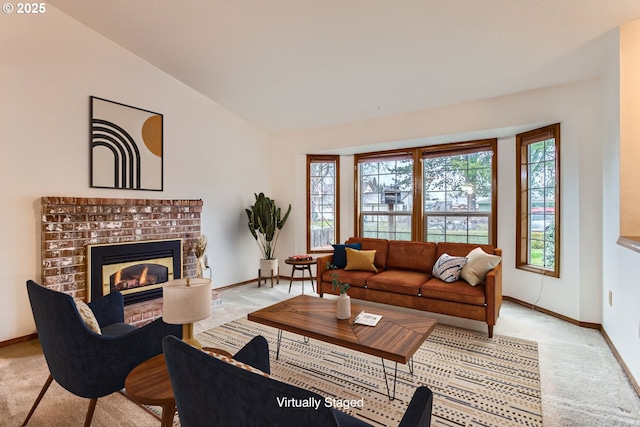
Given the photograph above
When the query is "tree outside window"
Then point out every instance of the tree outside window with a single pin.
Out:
(458, 193)
(438, 193)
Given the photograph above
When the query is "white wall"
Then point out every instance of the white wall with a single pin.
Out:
(50, 65)
(621, 266)
(577, 294)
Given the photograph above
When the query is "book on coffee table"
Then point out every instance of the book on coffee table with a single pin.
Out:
(368, 319)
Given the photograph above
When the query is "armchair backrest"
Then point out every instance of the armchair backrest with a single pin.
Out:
(62, 334)
(210, 390)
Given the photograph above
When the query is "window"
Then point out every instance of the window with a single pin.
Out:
(323, 212)
(439, 193)
(459, 192)
(385, 195)
(538, 200)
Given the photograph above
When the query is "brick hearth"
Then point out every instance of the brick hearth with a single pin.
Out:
(69, 224)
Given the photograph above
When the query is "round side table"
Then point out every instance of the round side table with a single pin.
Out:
(149, 384)
(301, 266)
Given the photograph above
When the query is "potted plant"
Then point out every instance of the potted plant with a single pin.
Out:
(265, 223)
(343, 305)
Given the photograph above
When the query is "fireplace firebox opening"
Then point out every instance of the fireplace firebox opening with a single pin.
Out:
(136, 269)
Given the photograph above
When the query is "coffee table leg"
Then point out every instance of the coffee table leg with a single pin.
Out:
(278, 347)
(168, 412)
(395, 380)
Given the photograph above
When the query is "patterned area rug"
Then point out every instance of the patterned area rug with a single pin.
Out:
(476, 381)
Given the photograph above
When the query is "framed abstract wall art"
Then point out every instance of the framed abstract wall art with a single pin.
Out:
(126, 146)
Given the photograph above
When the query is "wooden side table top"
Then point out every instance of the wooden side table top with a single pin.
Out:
(396, 337)
(301, 262)
(149, 383)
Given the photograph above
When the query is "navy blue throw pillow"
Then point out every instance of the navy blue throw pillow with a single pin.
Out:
(340, 255)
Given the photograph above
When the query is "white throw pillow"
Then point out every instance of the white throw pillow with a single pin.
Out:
(479, 263)
(447, 268)
(87, 316)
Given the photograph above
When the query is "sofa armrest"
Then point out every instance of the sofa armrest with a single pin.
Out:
(493, 290)
(322, 265)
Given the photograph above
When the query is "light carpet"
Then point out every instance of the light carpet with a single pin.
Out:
(476, 381)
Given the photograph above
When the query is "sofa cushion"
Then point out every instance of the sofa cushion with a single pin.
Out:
(460, 249)
(340, 255)
(353, 278)
(458, 291)
(479, 263)
(379, 245)
(447, 268)
(415, 256)
(360, 260)
(398, 281)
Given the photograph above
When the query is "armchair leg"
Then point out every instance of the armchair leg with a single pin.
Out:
(38, 399)
(92, 407)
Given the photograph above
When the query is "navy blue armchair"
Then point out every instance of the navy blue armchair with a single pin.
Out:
(208, 390)
(85, 363)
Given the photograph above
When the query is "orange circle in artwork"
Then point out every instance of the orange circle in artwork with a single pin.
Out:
(152, 134)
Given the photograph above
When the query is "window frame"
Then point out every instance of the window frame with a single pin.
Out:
(381, 156)
(417, 154)
(459, 148)
(325, 158)
(523, 141)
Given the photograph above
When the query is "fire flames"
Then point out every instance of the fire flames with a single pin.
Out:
(123, 281)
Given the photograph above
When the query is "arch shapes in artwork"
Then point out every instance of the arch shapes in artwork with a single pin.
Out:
(126, 147)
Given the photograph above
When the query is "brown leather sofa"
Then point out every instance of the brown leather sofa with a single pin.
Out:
(404, 279)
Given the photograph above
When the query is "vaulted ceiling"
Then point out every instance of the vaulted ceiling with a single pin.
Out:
(289, 65)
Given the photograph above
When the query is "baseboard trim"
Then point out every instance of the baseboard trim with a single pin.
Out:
(554, 314)
(246, 282)
(18, 340)
(235, 285)
(589, 325)
(624, 366)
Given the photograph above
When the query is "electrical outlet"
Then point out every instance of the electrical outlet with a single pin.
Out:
(610, 298)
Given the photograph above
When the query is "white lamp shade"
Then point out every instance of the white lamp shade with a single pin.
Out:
(182, 303)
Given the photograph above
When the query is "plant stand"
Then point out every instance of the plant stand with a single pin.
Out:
(277, 276)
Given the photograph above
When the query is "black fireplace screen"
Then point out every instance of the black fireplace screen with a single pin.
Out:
(137, 270)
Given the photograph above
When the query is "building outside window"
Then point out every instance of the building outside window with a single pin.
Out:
(385, 206)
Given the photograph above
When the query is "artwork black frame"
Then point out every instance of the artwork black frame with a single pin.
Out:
(126, 146)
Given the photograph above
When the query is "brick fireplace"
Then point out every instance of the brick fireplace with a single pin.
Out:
(70, 224)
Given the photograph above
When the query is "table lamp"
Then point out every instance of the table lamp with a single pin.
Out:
(185, 301)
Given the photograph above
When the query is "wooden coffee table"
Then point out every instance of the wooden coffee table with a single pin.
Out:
(149, 384)
(396, 337)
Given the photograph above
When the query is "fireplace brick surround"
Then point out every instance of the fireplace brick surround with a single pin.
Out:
(69, 224)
